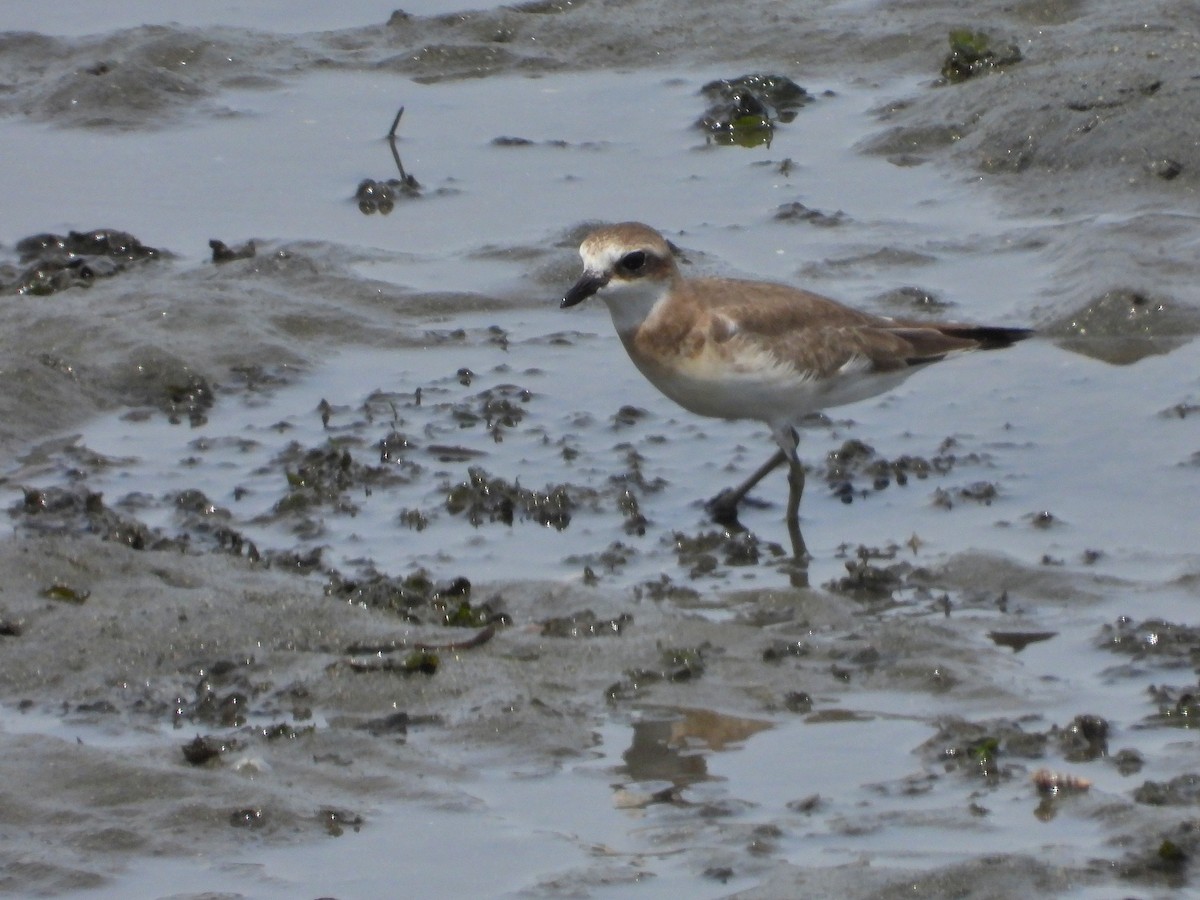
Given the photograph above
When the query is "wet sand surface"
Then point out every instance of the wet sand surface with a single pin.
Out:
(342, 561)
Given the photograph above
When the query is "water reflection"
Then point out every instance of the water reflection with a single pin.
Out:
(674, 748)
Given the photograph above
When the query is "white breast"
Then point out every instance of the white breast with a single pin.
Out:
(756, 385)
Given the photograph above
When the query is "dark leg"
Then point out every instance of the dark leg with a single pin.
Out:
(723, 507)
(795, 492)
(788, 441)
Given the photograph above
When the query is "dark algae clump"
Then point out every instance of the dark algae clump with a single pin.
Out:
(52, 262)
(973, 53)
(745, 111)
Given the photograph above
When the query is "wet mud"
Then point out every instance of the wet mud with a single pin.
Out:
(269, 649)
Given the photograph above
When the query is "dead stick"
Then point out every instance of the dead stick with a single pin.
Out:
(396, 124)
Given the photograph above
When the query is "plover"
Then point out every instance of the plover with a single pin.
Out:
(736, 349)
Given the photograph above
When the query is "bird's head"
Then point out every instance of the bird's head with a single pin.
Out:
(629, 266)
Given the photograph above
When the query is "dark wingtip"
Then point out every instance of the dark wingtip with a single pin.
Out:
(988, 337)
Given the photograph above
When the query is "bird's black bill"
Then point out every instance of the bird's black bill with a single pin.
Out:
(587, 285)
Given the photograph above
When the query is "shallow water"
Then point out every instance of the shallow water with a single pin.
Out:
(283, 165)
(1053, 431)
(994, 406)
(279, 134)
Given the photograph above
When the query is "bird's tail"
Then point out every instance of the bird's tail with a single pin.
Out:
(988, 337)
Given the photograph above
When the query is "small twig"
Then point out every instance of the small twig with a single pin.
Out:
(405, 179)
(395, 124)
(404, 176)
(478, 640)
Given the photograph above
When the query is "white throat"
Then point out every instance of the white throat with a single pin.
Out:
(630, 303)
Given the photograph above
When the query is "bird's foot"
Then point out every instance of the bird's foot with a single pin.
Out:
(722, 509)
(796, 569)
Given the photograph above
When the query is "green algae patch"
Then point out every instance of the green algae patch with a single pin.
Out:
(416, 662)
(465, 615)
(64, 593)
(421, 662)
(485, 498)
(973, 53)
(744, 111)
(409, 596)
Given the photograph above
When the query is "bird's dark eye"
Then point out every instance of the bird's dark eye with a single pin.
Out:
(633, 262)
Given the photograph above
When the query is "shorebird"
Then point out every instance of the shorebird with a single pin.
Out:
(736, 349)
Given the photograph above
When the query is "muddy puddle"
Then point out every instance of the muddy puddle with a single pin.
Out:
(343, 559)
